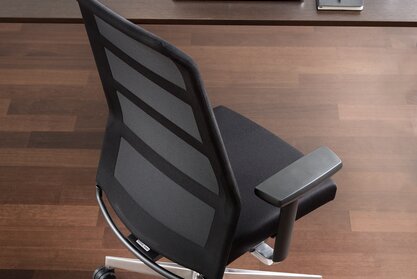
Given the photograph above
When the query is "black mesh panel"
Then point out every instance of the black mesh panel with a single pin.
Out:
(173, 149)
(165, 103)
(146, 56)
(161, 197)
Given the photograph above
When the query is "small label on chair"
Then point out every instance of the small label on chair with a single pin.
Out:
(143, 245)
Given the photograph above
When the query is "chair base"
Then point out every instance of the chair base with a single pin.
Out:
(135, 265)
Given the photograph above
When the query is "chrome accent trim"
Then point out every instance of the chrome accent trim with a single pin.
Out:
(174, 271)
(264, 253)
(143, 245)
(233, 273)
(135, 265)
(138, 266)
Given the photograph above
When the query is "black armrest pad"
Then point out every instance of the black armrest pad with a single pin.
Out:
(296, 179)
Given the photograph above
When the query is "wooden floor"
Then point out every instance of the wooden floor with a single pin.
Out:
(352, 89)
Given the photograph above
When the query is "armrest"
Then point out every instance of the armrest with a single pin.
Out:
(292, 182)
(285, 188)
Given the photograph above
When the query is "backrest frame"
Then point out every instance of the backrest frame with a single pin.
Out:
(211, 259)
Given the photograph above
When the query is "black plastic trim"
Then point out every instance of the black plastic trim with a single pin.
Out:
(292, 182)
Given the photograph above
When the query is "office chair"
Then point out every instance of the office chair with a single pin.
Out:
(196, 185)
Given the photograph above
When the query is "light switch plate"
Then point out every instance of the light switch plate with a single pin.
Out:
(340, 5)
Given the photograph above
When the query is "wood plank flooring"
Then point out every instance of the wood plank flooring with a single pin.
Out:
(352, 89)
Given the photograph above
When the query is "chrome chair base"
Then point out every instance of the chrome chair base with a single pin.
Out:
(135, 265)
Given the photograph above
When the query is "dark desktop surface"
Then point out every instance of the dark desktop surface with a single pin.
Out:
(375, 13)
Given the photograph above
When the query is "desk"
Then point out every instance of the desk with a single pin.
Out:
(376, 12)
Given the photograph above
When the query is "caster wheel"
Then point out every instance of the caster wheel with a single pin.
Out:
(104, 272)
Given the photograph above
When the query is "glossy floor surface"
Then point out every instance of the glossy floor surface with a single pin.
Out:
(352, 89)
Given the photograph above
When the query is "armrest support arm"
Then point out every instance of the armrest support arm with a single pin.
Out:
(286, 187)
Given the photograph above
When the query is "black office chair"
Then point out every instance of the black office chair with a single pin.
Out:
(198, 186)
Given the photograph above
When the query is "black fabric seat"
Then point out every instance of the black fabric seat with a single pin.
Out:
(255, 154)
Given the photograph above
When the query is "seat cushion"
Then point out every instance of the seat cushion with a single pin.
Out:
(256, 154)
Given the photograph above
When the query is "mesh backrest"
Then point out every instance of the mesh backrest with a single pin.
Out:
(161, 197)
(163, 165)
